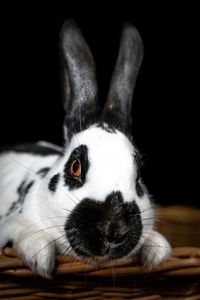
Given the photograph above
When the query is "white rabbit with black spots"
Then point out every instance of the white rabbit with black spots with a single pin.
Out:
(86, 199)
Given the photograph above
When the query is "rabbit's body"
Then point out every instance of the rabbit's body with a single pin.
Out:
(87, 199)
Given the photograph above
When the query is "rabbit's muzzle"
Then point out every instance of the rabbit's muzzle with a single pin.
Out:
(104, 229)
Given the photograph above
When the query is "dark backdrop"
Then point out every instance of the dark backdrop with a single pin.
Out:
(164, 121)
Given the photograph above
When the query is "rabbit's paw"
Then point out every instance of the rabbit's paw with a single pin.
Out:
(155, 250)
(38, 253)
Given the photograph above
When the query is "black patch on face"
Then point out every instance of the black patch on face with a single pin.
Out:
(80, 153)
(111, 227)
(32, 148)
(42, 172)
(53, 182)
(22, 191)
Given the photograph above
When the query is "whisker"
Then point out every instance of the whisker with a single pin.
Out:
(147, 209)
(148, 224)
(51, 242)
(113, 273)
(34, 224)
(150, 220)
(153, 255)
(46, 177)
(69, 210)
(160, 246)
(38, 231)
(154, 243)
(66, 250)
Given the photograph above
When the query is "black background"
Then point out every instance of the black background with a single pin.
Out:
(164, 118)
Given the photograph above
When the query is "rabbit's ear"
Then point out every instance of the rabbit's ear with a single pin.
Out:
(78, 75)
(117, 110)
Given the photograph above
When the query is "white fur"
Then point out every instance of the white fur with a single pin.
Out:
(155, 249)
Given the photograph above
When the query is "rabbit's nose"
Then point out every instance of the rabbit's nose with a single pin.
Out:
(115, 231)
(114, 199)
(112, 241)
(117, 238)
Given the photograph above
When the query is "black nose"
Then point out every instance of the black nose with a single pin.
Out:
(114, 224)
(114, 199)
(117, 237)
(114, 237)
(115, 228)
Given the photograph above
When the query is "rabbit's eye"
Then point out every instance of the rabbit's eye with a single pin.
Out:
(76, 168)
(139, 177)
(139, 187)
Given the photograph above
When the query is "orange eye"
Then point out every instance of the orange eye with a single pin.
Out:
(139, 177)
(76, 168)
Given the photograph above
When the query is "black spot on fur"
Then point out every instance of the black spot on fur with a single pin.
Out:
(54, 182)
(32, 148)
(22, 191)
(9, 243)
(111, 227)
(42, 172)
(24, 188)
(80, 153)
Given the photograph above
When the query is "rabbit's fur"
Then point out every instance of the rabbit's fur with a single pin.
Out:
(87, 198)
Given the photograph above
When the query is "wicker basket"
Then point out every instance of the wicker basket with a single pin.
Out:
(178, 278)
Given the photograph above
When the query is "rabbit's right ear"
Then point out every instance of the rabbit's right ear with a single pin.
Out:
(117, 110)
(79, 79)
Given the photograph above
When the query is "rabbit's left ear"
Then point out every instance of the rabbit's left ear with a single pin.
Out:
(79, 79)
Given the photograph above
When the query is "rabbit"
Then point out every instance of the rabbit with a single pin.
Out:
(87, 198)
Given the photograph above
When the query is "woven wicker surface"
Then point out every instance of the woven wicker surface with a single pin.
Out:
(178, 278)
